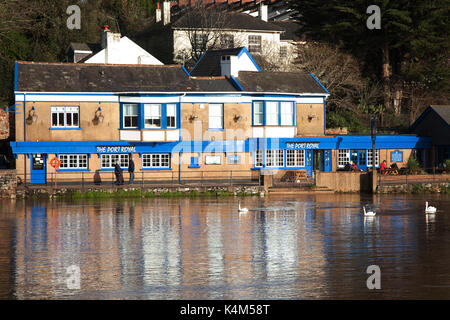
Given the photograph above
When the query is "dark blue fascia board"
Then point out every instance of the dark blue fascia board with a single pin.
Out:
(195, 65)
(16, 75)
(317, 80)
(185, 71)
(237, 84)
(90, 147)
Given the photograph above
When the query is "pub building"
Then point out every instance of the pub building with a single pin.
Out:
(230, 117)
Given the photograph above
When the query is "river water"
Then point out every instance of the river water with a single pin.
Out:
(291, 247)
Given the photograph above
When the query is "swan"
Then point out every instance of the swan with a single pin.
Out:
(243, 210)
(369, 213)
(429, 209)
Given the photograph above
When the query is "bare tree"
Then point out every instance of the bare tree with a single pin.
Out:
(339, 72)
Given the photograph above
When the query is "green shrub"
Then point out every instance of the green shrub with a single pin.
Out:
(413, 166)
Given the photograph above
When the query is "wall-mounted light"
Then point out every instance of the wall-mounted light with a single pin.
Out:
(193, 117)
(32, 116)
(311, 117)
(98, 117)
(237, 118)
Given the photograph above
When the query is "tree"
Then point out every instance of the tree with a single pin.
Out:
(414, 35)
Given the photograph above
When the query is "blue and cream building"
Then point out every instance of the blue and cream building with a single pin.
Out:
(225, 116)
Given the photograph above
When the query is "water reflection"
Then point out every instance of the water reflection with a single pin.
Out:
(313, 246)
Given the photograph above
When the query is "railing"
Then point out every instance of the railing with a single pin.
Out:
(403, 176)
(144, 178)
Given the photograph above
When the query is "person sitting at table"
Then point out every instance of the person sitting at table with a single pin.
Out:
(383, 167)
(354, 167)
(348, 166)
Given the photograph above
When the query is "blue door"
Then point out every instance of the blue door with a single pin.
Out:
(327, 160)
(38, 168)
(309, 163)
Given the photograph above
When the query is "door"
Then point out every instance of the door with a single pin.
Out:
(318, 160)
(38, 168)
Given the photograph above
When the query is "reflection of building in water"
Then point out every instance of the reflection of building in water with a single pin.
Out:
(7, 218)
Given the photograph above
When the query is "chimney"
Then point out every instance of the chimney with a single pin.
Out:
(105, 36)
(263, 12)
(166, 12)
(158, 13)
(229, 66)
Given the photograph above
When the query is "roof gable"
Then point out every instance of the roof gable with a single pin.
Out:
(442, 111)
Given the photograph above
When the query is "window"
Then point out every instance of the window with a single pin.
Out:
(213, 159)
(272, 113)
(215, 116)
(295, 158)
(130, 115)
(152, 115)
(108, 160)
(73, 161)
(258, 113)
(65, 117)
(199, 42)
(287, 113)
(234, 159)
(283, 52)
(156, 160)
(254, 44)
(343, 157)
(362, 157)
(369, 158)
(275, 158)
(171, 115)
(258, 158)
(194, 163)
(227, 41)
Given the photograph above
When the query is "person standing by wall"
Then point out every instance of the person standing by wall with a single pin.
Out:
(118, 173)
(131, 169)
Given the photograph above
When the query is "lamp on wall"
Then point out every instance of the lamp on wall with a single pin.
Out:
(311, 117)
(98, 115)
(32, 116)
(193, 117)
(237, 118)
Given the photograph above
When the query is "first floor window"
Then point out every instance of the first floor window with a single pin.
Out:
(108, 160)
(227, 41)
(199, 42)
(287, 113)
(343, 157)
(258, 113)
(171, 110)
(65, 117)
(295, 158)
(130, 115)
(156, 160)
(283, 52)
(275, 158)
(73, 161)
(152, 115)
(254, 44)
(369, 158)
(216, 116)
(272, 113)
(258, 158)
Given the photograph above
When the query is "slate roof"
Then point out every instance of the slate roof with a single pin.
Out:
(232, 20)
(290, 30)
(209, 63)
(282, 82)
(443, 111)
(76, 77)
(81, 46)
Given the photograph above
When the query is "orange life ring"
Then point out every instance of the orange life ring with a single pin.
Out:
(55, 163)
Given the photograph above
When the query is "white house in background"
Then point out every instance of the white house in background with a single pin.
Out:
(113, 49)
(257, 34)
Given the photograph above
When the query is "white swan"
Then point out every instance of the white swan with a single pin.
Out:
(369, 213)
(242, 210)
(429, 209)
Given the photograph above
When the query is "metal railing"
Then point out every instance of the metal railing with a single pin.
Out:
(81, 179)
(404, 176)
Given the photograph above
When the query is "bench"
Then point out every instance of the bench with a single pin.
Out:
(295, 176)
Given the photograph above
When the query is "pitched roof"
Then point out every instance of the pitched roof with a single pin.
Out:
(75, 77)
(81, 46)
(283, 82)
(290, 30)
(209, 62)
(229, 20)
(443, 112)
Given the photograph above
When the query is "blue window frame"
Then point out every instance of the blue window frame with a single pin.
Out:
(273, 113)
(150, 116)
(194, 163)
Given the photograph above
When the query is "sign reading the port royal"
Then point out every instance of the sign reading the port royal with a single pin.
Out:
(116, 149)
(302, 145)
